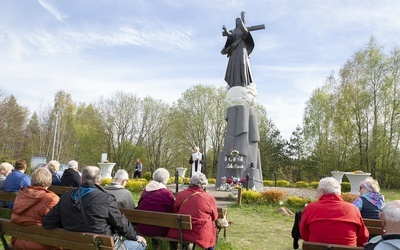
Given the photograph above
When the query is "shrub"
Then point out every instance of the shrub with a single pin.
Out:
(148, 176)
(282, 183)
(212, 181)
(314, 184)
(345, 187)
(171, 180)
(251, 196)
(106, 181)
(300, 184)
(297, 202)
(186, 180)
(136, 185)
(273, 196)
(349, 197)
(268, 183)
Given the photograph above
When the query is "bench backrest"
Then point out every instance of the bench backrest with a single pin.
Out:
(60, 190)
(321, 246)
(7, 196)
(374, 226)
(57, 237)
(169, 220)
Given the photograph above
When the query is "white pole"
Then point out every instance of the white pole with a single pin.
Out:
(55, 135)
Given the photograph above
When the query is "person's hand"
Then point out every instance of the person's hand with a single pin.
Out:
(142, 240)
(224, 28)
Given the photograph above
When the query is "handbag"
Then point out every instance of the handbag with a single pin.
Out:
(118, 243)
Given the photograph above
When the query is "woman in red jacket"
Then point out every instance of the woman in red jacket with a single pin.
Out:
(203, 209)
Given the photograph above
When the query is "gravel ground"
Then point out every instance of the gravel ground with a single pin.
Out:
(300, 192)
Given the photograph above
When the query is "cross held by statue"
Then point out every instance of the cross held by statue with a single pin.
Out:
(251, 28)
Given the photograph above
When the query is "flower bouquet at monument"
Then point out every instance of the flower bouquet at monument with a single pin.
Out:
(234, 153)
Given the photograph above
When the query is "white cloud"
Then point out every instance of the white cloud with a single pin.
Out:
(52, 10)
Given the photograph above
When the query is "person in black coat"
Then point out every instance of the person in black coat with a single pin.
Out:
(90, 208)
(71, 176)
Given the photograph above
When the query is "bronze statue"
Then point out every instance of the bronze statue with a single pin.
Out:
(238, 47)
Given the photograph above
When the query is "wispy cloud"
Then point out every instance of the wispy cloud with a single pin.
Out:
(52, 10)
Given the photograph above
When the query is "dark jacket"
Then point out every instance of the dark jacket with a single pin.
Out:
(56, 180)
(70, 178)
(100, 208)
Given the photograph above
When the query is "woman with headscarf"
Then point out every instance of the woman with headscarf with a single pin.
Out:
(370, 202)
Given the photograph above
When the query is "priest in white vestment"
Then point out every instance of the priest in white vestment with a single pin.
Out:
(197, 161)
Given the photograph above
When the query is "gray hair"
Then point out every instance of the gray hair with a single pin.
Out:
(91, 175)
(330, 186)
(371, 185)
(161, 175)
(53, 166)
(73, 164)
(6, 166)
(391, 211)
(199, 179)
(121, 175)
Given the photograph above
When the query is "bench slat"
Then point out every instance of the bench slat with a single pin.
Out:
(56, 237)
(157, 218)
(321, 246)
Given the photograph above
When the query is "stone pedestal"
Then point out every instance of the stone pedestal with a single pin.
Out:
(106, 169)
(355, 180)
(181, 172)
(242, 135)
(337, 175)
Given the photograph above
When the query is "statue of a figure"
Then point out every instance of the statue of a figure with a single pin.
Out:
(238, 48)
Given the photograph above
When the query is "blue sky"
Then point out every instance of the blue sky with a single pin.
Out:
(161, 48)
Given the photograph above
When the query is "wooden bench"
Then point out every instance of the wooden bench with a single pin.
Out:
(374, 226)
(55, 237)
(321, 246)
(169, 220)
(60, 190)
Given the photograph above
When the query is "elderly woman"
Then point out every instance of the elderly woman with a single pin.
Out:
(203, 209)
(370, 202)
(156, 197)
(5, 169)
(32, 204)
(54, 166)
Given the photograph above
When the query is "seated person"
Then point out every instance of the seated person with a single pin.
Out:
(5, 169)
(117, 188)
(203, 209)
(31, 205)
(16, 179)
(54, 166)
(331, 219)
(371, 201)
(156, 197)
(71, 176)
(390, 217)
(91, 209)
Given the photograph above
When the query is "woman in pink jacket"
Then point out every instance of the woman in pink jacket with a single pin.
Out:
(203, 209)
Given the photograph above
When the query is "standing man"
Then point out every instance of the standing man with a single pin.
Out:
(197, 161)
(71, 176)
